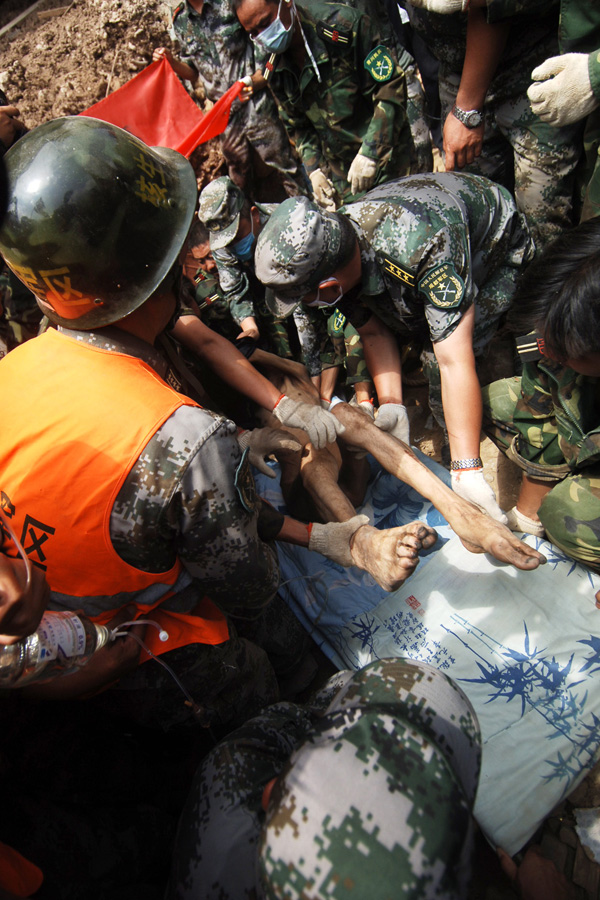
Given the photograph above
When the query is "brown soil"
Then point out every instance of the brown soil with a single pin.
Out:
(60, 66)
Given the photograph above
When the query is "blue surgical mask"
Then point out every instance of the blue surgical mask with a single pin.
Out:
(243, 248)
(276, 38)
(317, 302)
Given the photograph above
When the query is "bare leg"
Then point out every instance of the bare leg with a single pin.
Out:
(478, 532)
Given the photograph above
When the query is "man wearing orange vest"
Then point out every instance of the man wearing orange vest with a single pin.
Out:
(132, 499)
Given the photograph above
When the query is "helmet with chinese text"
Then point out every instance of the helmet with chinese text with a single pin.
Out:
(95, 218)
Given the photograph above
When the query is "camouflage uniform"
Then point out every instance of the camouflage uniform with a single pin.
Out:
(431, 246)
(579, 32)
(180, 500)
(547, 422)
(215, 45)
(21, 315)
(357, 101)
(376, 797)
(520, 151)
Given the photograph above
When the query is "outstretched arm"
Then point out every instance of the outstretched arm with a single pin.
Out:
(478, 532)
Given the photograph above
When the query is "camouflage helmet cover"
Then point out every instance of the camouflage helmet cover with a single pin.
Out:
(219, 208)
(299, 247)
(377, 802)
(95, 220)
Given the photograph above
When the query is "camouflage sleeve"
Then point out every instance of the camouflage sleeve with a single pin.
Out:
(216, 852)
(301, 133)
(188, 495)
(235, 285)
(594, 70)
(388, 127)
(445, 280)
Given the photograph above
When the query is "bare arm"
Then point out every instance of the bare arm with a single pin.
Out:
(485, 45)
(478, 532)
(185, 72)
(383, 360)
(21, 606)
(461, 393)
(231, 365)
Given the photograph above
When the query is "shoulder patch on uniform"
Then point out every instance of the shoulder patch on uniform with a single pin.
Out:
(380, 64)
(176, 11)
(334, 35)
(443, 286)
(397, 270)
(244, 484)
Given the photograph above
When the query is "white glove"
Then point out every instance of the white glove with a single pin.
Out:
(562, 92)
(367, 407)
(470, 484)
(441, 6)
(393, 418)
(333, 539)
(518, 521)
(361, 173)
(323, 190)
(263, 442)
(321, 426)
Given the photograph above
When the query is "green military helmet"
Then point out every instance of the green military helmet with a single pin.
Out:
(95, 219)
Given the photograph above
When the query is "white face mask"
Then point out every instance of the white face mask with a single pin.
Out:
(317, 302)
(276, 38)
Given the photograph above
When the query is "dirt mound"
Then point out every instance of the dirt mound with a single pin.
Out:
(60, 65)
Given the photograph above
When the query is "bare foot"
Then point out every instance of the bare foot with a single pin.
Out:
(391, 555)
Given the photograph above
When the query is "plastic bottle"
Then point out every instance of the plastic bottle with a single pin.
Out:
(62, 642)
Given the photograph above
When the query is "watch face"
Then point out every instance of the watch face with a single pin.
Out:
(474, 119)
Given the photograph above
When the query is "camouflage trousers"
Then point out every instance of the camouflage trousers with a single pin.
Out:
(344, 348)
(255, 130)
(591, 143)
(228, 682)
(570, 512)
(530, 158)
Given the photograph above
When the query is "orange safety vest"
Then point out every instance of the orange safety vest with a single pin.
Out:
(75, 419)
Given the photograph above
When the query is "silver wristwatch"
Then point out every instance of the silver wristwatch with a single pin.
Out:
(472, 118)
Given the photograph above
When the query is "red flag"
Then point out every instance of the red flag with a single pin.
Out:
(155, 107)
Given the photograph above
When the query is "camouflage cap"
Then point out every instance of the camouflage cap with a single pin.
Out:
(377, 802)
(219, 209)
(299, 247)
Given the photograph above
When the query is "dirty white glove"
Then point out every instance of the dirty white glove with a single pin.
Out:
(441, 6)
(321, 426)
(361, 173)
(393, 418)
(333, 539)
(323, 190)
(367, 407)
(562, 92)
(517, 521)
(470, 484)
(264, 442)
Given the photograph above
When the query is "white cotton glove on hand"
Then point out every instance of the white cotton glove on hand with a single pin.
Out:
(361, 173)
(470, 484)
(441, 6)
(562, 92)
(321, 426)
(393, 418)
(264, 442)
(323, 190)
(333, 539)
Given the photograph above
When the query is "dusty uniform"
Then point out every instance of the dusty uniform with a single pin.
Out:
(580, 33)
(520, 151)
(179, 501)
(369, 765)
(548, 423)
(216, 46)
(431, 247)
(357, 101)
(21, 316)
